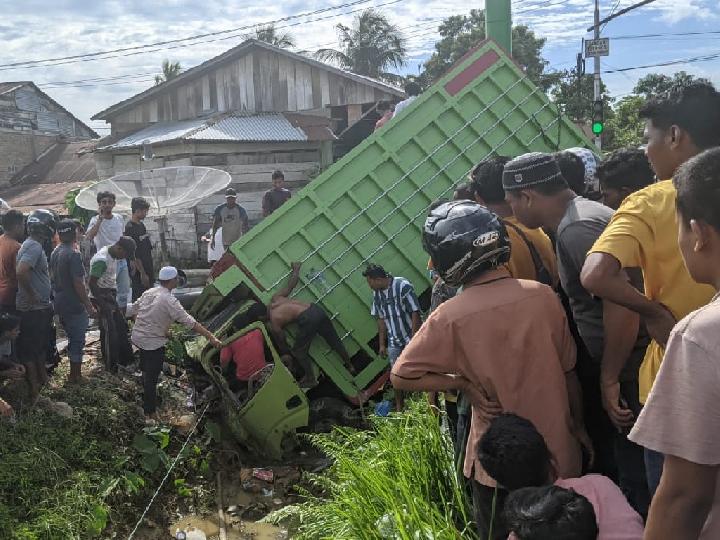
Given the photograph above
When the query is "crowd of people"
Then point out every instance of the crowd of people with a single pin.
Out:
(581, 333)
(572, 338)
(45, 277)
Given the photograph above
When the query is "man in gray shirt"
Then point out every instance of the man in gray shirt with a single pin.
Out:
(232, 218)
(33, 300)
(540, 197)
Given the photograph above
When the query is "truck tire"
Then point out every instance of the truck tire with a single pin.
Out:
(327, 412)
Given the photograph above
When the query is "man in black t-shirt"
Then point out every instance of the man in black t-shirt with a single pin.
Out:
(141, 268)
(277, 196)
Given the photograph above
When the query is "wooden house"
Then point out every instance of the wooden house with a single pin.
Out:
(249, 111)
(32, 123)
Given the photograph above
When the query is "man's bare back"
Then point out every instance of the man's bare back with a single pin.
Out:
(283, 311)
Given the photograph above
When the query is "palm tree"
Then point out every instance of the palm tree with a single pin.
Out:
(368, 48)
(170, 70)
(269, 34)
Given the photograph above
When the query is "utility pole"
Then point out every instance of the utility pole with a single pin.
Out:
(596, 81)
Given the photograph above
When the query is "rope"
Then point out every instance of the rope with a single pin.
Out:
(381, 195)
(419, 189)
(172, 466)
(410, 222)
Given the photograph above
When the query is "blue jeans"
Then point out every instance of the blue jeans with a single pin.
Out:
(123, 284)
(393, 354)
(653, 469)
(75, 326)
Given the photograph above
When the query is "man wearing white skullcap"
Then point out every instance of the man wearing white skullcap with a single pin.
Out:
(155, 311)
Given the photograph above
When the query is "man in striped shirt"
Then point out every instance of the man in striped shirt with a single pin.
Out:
(397, 310)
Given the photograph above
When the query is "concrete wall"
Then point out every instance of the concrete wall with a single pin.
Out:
(18, 149)
(250, 167)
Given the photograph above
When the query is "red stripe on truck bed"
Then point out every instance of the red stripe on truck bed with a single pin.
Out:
(470, 73)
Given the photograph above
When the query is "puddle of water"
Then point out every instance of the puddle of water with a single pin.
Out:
(243, 530)
(195, 523)
(257, 531)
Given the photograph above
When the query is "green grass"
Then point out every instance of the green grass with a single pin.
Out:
(83, 477)
(395, 481)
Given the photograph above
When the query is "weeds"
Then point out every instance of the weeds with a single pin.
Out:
(395, 481)
(87, 476)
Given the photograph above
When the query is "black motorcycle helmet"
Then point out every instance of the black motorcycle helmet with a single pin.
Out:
(42, 221)
(464, 239)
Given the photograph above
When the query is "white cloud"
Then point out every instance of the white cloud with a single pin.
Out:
(36, 29)
(674, 11)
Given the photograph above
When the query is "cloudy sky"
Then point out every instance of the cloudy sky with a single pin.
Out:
(42, 30)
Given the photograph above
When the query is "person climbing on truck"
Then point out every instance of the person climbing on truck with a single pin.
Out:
(311, 320)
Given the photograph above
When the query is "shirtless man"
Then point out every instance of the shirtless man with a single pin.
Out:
(311, 320)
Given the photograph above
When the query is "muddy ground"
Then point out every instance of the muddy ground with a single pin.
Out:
(215, 492)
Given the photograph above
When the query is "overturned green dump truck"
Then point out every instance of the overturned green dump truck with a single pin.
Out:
(370, 206)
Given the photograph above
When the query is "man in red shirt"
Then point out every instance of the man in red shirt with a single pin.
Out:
(14, 232)
(247, 353)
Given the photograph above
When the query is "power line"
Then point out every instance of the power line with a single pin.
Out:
(617, 3)
(130, 78)
(541, 6)
(181, 46)
(189, 38)
(705, 58)
(621, 12)
(666, 34)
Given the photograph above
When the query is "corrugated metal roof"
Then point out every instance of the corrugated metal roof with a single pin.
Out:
(156, 133)
(62, 163)
(27, 198)
(264, 127)
(270, 127)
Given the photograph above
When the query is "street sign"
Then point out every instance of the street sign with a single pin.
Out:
(597, 47)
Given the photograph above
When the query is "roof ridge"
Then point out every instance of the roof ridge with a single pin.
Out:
(248, 43)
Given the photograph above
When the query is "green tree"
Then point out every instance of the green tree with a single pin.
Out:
(370, 47)
(655, 83)
(170, 70)
(269, 34)
(575, 96)
(626, 124)
(460, 33)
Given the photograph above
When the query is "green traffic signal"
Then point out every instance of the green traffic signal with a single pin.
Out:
(598, 117)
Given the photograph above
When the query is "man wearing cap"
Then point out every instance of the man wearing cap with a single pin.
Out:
(103, 289)
(155, 311)
(541, 197)
(232, 218)
(71, 301)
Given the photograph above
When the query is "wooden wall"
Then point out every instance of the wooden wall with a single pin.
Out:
(260, 81)
(250, 167)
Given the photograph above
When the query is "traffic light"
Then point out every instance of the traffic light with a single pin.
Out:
(598, 117)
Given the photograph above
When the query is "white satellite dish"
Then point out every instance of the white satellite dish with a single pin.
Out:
(167, 189)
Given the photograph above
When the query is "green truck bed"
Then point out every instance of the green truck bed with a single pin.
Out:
(370, 205)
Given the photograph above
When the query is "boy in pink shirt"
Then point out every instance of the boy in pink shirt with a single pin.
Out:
(516, 456)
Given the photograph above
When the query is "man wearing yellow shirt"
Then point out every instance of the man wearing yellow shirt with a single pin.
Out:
(643, 234)
(532, 256)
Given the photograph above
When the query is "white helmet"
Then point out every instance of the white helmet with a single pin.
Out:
(591, 162)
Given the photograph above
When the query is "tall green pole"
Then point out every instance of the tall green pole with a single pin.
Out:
(498, 23)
